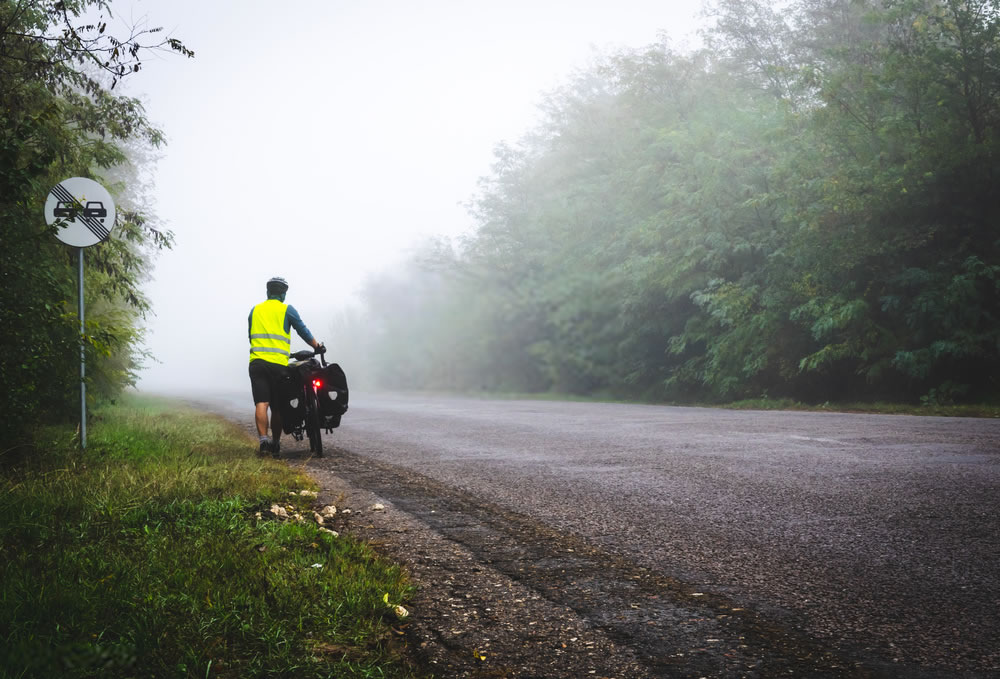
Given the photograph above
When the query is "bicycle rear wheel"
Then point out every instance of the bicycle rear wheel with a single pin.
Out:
(313, 427)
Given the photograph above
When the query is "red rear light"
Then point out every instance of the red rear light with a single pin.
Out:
(317, 383)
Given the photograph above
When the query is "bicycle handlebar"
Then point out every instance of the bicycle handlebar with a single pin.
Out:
(306, 354)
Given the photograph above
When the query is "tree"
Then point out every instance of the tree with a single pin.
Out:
(59, 118)
(805, 209)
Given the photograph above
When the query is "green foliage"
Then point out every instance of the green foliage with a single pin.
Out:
(59, 119)
(143, 556)
(806, 209)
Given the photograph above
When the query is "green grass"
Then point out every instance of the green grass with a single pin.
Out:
(143, 557)
(877, 407)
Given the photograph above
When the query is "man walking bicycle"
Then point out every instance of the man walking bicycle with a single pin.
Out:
(270, 325)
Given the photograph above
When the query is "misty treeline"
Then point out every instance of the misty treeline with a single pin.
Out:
(60, 118)
(807, 208)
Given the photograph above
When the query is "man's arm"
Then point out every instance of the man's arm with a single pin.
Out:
(293, 320)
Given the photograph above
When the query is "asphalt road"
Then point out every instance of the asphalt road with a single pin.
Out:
(876, 537)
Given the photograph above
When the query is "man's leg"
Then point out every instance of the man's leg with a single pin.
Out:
(277, 380)
(275, 430)
(260, 418)
(261, 390)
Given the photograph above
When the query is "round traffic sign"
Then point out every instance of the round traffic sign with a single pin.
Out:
(84, 210)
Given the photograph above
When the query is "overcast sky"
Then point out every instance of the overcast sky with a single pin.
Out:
(320, 139)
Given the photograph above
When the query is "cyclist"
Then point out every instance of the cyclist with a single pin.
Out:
(270, 324)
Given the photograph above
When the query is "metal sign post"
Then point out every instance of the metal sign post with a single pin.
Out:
(83, 356)
(84, 212)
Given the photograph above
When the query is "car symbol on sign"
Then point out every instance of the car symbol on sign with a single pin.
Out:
(65, 208)
(95, 208)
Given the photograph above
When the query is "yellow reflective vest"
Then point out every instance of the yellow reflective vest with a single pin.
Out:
(268, 338)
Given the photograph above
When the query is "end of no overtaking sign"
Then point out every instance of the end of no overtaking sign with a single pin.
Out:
(84, 210)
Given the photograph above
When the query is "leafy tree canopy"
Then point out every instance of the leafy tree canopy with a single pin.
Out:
(805, 208)
(60, 118)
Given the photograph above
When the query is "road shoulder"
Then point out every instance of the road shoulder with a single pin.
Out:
(467, 618)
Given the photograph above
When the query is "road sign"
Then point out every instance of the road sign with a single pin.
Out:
(85, 209)
(85, 213)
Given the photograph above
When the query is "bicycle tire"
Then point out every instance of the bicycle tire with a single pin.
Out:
(313, 423)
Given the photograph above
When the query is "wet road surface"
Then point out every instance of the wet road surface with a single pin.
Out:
(841, 545)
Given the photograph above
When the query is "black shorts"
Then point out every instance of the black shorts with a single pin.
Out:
(266, 380)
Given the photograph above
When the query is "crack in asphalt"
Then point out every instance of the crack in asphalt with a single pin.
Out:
(674, 628)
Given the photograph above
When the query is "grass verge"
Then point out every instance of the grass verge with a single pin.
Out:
(991, 410)
(142, 556)
(873, 408)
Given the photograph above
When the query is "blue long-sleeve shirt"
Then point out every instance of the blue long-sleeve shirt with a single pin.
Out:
(292, 320)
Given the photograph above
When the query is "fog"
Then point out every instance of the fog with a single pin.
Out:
(321, 140)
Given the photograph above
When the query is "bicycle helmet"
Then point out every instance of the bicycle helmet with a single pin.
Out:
(277, 285)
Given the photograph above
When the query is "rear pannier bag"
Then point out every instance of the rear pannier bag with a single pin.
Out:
(333, 395)
(292, 408)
